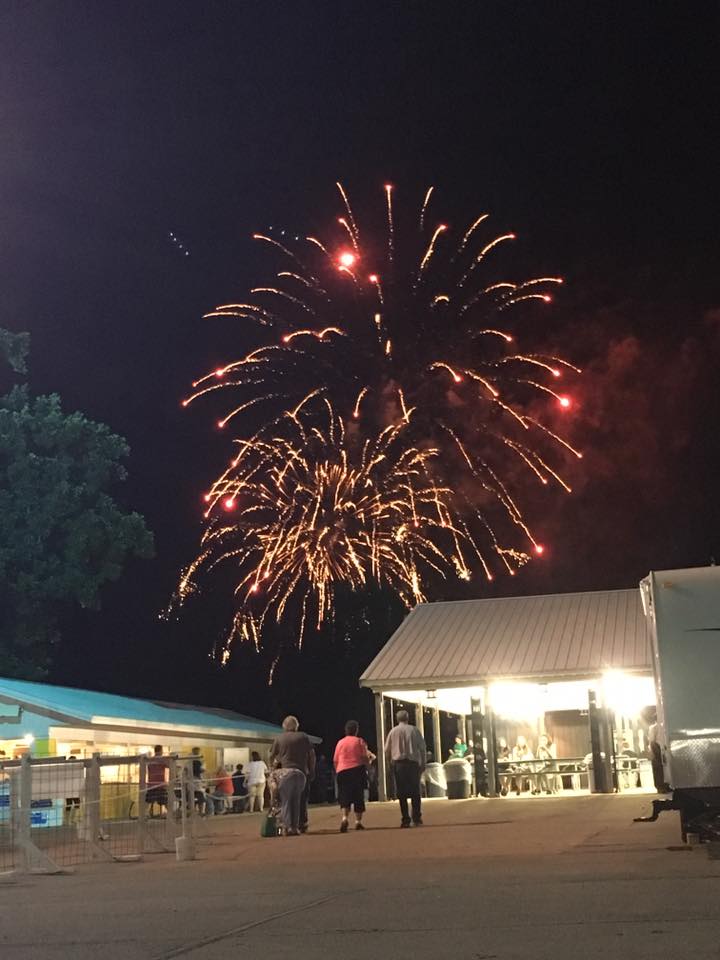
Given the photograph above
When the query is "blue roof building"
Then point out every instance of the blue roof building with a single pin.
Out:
(64, 720)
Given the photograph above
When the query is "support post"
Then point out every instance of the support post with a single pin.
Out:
(437, 739)
(420, 719)
(601, 760)
(380, 736)
(172, 802)
(185, 843)
(492, 774)
(483, 736)
(91, 825)
(33, 859)
(24, 811)
(142, 804)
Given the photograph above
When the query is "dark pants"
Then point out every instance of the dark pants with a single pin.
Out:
(304, 805)
(407, 784)
(657, 768)
(291, 790)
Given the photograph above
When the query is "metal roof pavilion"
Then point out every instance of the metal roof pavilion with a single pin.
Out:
(554, 637)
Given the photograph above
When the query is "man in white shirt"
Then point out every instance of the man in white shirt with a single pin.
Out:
(405, 749)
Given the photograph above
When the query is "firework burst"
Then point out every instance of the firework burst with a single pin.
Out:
(306, 505)
(400, 416)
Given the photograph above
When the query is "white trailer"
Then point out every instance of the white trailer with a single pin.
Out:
(682, 608)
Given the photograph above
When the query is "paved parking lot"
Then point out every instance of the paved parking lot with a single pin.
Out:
(482, 879)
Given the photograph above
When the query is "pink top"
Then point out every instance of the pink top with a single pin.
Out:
(350, 752)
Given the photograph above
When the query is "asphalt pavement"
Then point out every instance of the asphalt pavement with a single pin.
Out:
(498, 879)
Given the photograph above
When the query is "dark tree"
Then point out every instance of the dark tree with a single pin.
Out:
(62, 535)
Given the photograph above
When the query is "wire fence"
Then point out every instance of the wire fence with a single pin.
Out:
(7, 843)
(57, 813)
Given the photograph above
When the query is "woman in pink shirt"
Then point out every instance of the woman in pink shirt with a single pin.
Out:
(351, 761)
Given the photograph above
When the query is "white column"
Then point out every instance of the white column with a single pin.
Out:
(436, 736)
(380, 736)
(420, 719)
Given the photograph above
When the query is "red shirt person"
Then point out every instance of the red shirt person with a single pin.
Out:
(351, 761)
(156, 778)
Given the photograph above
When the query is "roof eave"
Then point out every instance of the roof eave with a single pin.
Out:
(43, 711)
(444, 683)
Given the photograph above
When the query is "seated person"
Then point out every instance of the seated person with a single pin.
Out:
(548, 781)
(521, 751)
(223, 792)
(503, 756)
(459, 748)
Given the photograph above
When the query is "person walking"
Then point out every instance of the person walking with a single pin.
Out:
(203, 800)
(157, 772)
(351, 761)
(406, 751)
(256, 774)
(293, 754)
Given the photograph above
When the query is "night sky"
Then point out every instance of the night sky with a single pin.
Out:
(589, 129)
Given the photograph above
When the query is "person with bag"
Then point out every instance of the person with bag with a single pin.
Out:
(351, 762)
(270, 826)
(293, 755)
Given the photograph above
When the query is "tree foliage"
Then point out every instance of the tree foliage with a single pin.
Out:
(62, 535)
(15, 348)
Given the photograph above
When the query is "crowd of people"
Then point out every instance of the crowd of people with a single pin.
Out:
(293, 775)
(518, 772)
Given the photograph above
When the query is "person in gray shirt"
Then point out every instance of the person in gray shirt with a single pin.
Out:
(293, 751)
(406, 751)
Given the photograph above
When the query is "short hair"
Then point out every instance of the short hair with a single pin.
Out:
(290, 724)
(158, 748)
(255, 755)
(402, 716)
(239, 767)
(351, 728)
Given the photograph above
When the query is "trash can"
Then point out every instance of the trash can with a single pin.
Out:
(458, 775)
(434, 779)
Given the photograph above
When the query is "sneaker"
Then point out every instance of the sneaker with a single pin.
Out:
(359, 826)
(344, 826)
(404, 825)
(417, 823)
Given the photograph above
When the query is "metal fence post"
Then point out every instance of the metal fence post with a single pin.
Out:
(31, 858)
(93, 834)
(142, 804)
(185, 843)
(173, 810)
(22, 810)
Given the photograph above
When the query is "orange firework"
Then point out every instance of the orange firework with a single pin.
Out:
(304, 506)
(400, 412)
